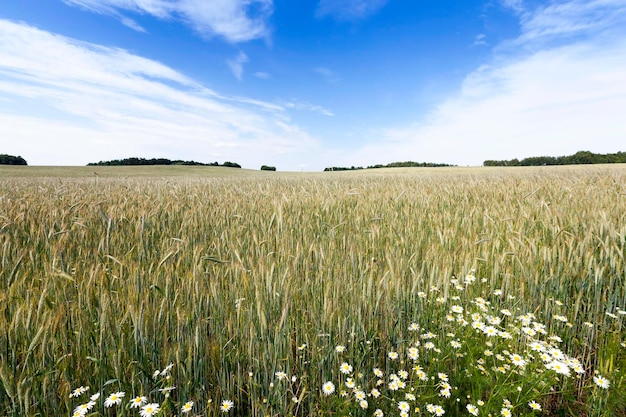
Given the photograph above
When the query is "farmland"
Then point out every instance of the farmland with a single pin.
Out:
(417, 291)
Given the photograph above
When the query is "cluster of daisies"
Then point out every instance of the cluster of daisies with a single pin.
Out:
(475, 339)
(141, 403)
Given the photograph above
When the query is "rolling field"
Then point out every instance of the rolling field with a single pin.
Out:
(216, 291)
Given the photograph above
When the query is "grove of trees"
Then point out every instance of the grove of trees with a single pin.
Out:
(579, 158)
(391, 165)
(159, 161)
(12, 160)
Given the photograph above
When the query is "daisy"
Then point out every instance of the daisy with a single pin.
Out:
(393, 355)
(167, 369)
(534, 406)
(328, 388)
(505, 412)
(601, 381)
(379, 413)
(138, 402)
(186, 408)
(363, 404)
(439, 411)
(78, 391)
(281, 375)
(506, 335)
(404, 406)
(472, 409)
(490, 331)
(167, 390)
(378, 372)
(149, 410)
(345, 368)
(559, 367)
(518, 360)
(226, 406)
(340, 348)
(537, 347)
(114, 399)
(83, 408)
(421, 375)
(413, 353)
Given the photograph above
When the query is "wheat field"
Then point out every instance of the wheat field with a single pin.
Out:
(276, 294)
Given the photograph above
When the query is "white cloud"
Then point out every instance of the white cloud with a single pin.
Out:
(103, 103)
(539, 98)
(234, 20)
(349, 9)
(236, 64)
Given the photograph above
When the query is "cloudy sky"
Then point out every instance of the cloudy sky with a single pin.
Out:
(303, 85)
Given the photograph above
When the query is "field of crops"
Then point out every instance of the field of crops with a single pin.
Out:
(409, 292)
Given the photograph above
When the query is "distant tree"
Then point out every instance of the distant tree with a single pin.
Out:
(231, 164)
(12, 160)
(267, 168)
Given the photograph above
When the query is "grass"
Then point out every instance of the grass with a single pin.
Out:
(232, 278)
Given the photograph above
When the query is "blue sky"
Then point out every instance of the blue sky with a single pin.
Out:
(303, 85)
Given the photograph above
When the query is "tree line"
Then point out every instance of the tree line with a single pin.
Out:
(579, 158)
(160, 161)
(391, 165)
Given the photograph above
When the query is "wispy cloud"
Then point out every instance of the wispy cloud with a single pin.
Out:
(233, 20)
(349, 9)
(236, 64)
(300, 105)
(480, 40)
(106, 103)
(564, 21)
(262, 75)
(330, 75)
(558, 88)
